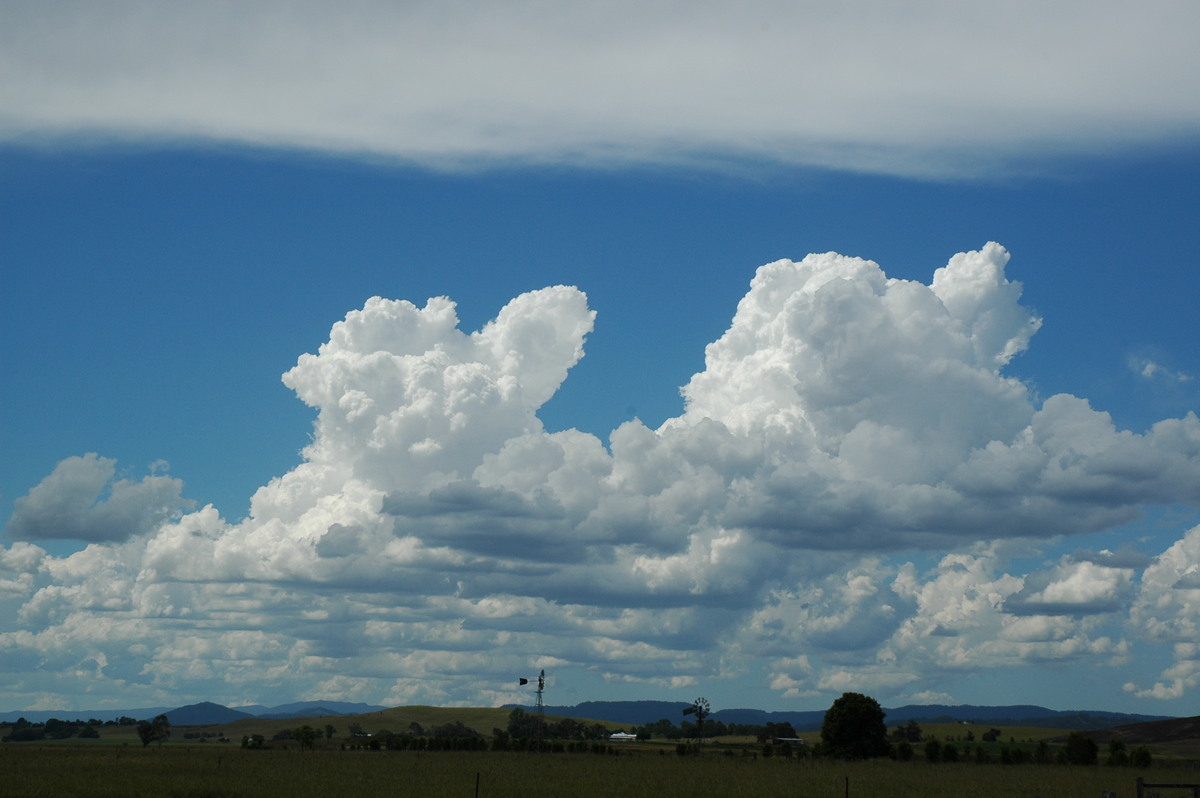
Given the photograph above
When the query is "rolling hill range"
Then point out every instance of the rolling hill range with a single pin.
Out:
(629, 713)
(1179, 736)
(202, 714)
(640, 712)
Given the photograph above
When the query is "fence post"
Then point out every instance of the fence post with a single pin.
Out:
(1140, 784)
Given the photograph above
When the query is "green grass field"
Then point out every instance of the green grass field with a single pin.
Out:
(178, 770)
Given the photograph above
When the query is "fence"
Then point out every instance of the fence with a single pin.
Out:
(1143, 785)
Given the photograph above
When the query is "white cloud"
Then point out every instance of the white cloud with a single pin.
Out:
(1168, 611)
(1152, 370)
(1073, 588)
(932, 89)
(436, 535)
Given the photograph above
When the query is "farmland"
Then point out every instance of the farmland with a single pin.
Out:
(194, 763)
(217, 771)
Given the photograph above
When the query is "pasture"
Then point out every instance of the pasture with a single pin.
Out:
(178, 770)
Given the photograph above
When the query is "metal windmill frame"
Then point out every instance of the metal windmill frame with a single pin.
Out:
(541, 705)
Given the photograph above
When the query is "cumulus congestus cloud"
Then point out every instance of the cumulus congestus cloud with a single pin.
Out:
(436, 534)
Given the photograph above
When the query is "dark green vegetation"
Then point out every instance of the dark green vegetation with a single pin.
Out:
(433, 752)
(227, 771)
(854, 728)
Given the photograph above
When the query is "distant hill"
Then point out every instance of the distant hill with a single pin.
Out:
(205, 713)
(312, 709)
(633, 713)
(1016, 715)
(641, 712)
(1159, 731)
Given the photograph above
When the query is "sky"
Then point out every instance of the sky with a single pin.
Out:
(394, 351)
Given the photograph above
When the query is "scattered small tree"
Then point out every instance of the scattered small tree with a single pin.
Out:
(457, 729)
(1081, 749)
(306, 736)
(773, 731)
(1117, 755)
(154, 731)
(909, 732)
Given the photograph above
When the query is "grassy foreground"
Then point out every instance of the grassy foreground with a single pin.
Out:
(179, 771)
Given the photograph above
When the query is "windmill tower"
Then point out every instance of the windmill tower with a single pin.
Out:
(541, 705)
(701, 709)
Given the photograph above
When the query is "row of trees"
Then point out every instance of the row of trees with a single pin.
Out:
(149, 731)
(687, 730)
(1078, 750)
(524, 725)
(854, 729)
(24, 731)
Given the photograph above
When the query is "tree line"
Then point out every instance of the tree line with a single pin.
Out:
(25, 731)
(54, 729)
(854, 729)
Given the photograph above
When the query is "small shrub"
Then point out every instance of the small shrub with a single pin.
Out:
(1117, 756)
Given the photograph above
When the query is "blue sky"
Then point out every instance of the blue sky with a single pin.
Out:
(882, 481)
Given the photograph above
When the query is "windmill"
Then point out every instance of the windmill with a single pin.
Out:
(541, 706)
(701, 709)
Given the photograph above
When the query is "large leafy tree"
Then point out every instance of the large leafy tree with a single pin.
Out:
(854, 728)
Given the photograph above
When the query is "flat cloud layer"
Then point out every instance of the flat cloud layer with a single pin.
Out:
(437, 538)
(930, 88)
